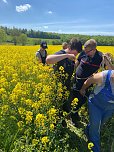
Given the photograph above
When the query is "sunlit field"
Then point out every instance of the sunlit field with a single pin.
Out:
(29, 101)
(104, 49)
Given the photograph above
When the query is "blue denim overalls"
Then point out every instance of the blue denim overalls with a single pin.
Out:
(100, 110)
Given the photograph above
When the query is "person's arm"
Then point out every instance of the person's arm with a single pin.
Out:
(52, 59)
(95, 79)
(108, 58)
(38, 57)
(109, 65)
(76, 63)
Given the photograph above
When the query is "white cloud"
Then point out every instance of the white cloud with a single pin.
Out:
(5, 1)
(50, 12)
(46, 27)
(23, 8)
(59, 31)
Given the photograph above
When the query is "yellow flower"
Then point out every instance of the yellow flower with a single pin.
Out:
(2, 91)
(36, 105)
(28, 102)
(14, 98)
(21, 111)
(3, 82)
(61, 68)
(4, 109)
(65, 113)
(52, 112)
(20, 124)
(74, 102)
(34, 142)
(90, 146)
(40, 120)
(45, 140)
(52, 115)
(15, 76)
(13, 81)
(60, 85)
(29, 116)
(52, 126)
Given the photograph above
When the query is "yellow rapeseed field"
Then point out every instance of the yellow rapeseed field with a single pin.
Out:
(29, 97)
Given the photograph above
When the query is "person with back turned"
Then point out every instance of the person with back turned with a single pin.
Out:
(66, 59)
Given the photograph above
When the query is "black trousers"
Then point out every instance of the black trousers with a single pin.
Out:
(74, 93)
(67, 104)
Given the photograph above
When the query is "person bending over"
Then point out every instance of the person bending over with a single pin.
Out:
(100, 104)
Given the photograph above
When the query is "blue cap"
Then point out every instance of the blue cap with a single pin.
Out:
(43, 44)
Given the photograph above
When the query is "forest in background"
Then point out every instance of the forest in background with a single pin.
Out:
(31, 37)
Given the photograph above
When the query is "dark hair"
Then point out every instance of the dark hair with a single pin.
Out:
(75, 44)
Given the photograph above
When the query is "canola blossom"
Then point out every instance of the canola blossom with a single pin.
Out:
(30, 98)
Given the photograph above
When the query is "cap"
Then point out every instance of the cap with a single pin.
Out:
(43, 44)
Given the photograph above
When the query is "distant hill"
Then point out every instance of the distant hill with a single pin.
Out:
(31, 37)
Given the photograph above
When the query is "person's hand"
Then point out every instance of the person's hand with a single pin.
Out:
(108, 61)
(71, 57)
(82, 92)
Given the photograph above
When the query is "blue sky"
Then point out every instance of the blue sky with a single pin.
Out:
(62, 16)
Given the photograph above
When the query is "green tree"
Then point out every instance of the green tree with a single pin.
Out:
(23, 39)
(15, 35)
(2, 36)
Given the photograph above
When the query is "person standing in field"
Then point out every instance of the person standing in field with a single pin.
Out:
(88, 63)
(41, 54)
(100, 104)
(64, 45)
(66, 59)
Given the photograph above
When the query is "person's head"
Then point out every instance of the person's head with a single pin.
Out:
(75, 46)
(43, 45)
(90, 47)
(65, 45)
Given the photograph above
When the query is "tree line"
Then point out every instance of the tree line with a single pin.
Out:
(28, 37)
